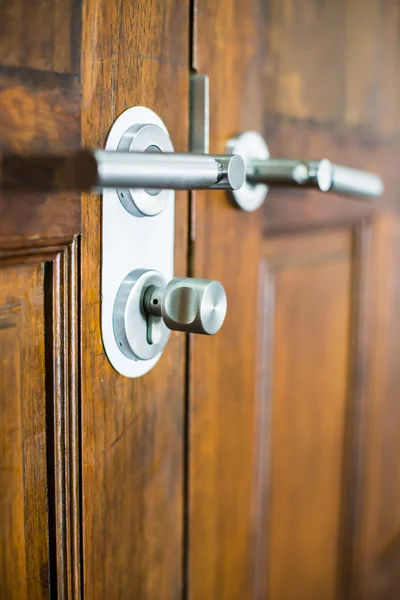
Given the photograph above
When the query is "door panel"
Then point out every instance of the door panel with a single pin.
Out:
(131, 436)
(23, 470)
(39, 317)
(287, 427)
(226, 245)
(377, 572)
(334, 63)
(134, 53)
(288, 210)
(309, 283)
(259, 463)
(40, 35)
(39, 474)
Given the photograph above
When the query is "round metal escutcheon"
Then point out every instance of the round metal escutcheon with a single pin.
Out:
(249, 145)
(145, 138)
(130, 320)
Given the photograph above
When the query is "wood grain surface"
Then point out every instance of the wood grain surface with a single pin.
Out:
(258, 463)
(133, 430)
(376, 515)
(310, 282)
(334, 62)
(39, 113)
(40, 35)
(23, 474)
(226, 244)
(288, 496)
(39, 323)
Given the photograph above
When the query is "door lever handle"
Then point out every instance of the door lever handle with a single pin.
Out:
(140, 164)
(164, 170)
(322, 175)
(103, 169)
(262, 172)
(142, 168)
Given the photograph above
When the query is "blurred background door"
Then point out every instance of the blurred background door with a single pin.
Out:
(262, 463)
(294, 473)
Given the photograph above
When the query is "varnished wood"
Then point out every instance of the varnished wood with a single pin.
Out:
(40, 552)
(266, 466)
(62, 369)
(38, 35)
(293, 209)
(222, 563)
(308, 411)
(352, 80)
(339, 102)
(132, 444)
(38, 114)
(24, 526)
(12, 502)
(377, 521)
(286, 496)
(39, 371)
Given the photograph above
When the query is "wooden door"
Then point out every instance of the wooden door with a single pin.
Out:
(259, 463)
(92, 463)
(293, 408)
(39, 309)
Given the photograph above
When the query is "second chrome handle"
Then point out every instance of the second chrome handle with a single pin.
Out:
(322, 175)
(263, 171)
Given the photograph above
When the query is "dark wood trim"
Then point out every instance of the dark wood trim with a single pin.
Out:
(62, 371)
(62, 358)
(29, 255)
(38, 78)
(9, 315)
(76, 37)
(263, 414)
(360, 340)
(364, 135)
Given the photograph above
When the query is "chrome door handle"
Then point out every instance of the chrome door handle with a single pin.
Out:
(322, 175)
(161, 170)
(262, 171)
(142, 166)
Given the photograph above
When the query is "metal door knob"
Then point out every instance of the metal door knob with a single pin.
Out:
(190, 305)
(146, 308)
(262, 172)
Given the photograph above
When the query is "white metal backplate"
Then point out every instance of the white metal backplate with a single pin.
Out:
(130, 242)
